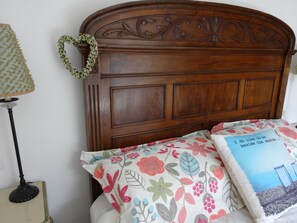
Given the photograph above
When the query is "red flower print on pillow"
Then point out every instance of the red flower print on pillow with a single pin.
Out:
(151, 165)
(133, 155)
(221, 213)
(217, 128)
(128, 149)
(248, 129)
(99, 171)
(197, 149)
(288, 132)
(116, 159)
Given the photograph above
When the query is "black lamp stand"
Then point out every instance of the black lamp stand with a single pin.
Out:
(25, 191)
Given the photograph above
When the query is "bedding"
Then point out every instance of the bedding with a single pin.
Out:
(97, 163)
(261, 163)
(99, 208)
(180, 179)
(239, 216)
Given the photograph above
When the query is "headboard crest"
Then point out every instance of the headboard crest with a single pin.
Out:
(191, 22)
(193, 29)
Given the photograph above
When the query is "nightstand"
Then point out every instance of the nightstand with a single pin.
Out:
(33, 211)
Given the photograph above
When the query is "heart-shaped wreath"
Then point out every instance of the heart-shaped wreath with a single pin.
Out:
(83, 38)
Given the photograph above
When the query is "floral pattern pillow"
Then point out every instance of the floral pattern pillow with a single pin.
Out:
(176, 180)
(282, 127)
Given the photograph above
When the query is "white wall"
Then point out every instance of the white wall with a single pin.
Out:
(50, 121)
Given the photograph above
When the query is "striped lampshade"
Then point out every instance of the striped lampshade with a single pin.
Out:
(15, 77)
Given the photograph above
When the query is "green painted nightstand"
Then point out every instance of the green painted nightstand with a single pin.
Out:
(33, 211)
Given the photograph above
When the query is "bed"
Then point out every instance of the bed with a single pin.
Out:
(169, 68)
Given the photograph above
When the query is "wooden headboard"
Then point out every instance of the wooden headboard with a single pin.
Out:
(167, 68)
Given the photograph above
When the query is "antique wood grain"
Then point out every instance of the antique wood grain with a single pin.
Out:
(137, 104)
(167, 68)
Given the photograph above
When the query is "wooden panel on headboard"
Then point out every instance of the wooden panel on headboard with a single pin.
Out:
(197, 98)
(167, 68)
(147, 103)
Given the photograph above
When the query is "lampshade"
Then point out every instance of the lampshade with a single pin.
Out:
(15, 78)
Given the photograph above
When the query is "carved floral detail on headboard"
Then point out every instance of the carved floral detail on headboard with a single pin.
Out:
(227, 30)
(201, 29)
(162, 29)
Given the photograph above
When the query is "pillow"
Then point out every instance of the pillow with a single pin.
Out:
(284, 130)
(263, 171)
(174, 180)
(247, 126)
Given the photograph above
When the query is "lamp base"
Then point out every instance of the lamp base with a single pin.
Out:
(23, 193)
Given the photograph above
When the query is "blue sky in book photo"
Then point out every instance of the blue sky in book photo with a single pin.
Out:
(258, 154)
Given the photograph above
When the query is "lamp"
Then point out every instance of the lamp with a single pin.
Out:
(15, 79)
